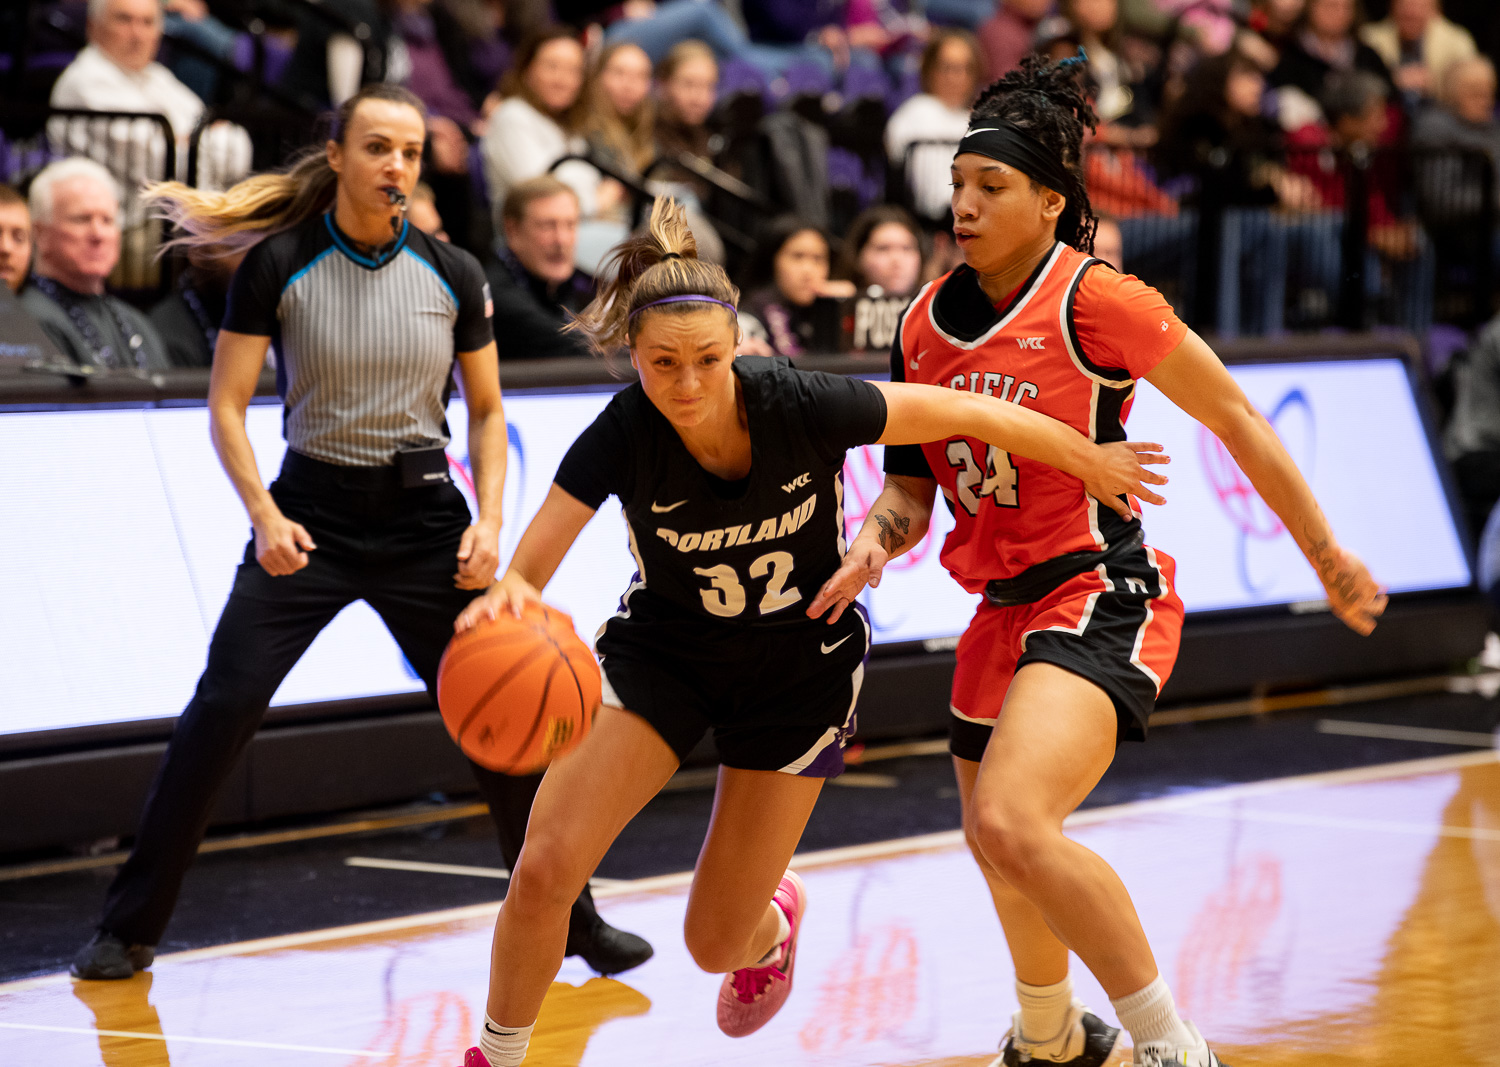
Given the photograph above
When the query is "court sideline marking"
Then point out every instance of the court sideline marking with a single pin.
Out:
(1397, 732)
(270, 1046)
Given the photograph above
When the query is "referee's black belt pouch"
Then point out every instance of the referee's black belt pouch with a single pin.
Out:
(1040, 579)
(304, 470)
(422, 465)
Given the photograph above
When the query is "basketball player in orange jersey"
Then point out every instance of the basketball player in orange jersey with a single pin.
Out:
(729, 473)
(1080, 623)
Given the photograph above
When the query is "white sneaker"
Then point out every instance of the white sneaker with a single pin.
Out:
(1161, 1054)
(1085, 1041)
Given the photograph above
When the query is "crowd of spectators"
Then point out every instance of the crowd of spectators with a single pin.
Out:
(809, 139)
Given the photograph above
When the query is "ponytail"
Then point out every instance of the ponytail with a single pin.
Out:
(656, 265)
(264, 204)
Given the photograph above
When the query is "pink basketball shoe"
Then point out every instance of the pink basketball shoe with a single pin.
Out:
(751, 995)
(475, 1058)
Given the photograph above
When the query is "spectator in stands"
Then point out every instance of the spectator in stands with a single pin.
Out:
(1010, 34)
(535, 286)
(659, 25)
(1109, 243)
(15, 238)
(786, 33)
(1356, 104)
(422, 212)
(118, 71)
(795, 307)
(75, 208)
(1098, 29)
(1418, 45)
(1466, 117)
(1326, 42)
(1217, 134)
(541, 121)
(329, 64)
(438, 71)
(687, 88)
(188, 318)
(951, 65)
(621, 119)
(883, 258)
(1276, 21)
(191, 22)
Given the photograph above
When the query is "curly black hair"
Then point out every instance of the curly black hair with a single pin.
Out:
(1047, 101)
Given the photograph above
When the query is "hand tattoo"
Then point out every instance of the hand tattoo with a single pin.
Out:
(889, 538)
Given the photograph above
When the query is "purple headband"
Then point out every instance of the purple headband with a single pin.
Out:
(679, 299)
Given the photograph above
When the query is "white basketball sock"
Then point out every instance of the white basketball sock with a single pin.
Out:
(1044, 1010)
(783, 931)
(1150, 1014)
(504, 1046)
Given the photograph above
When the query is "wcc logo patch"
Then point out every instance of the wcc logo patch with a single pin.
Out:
(1031, 342)
(796, 483)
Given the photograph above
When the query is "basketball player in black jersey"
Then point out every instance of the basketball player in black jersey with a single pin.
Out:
(729, 474)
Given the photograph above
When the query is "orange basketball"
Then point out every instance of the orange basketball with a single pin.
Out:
(517, 693)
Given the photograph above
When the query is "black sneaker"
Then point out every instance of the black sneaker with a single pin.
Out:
(1097, 1042)
(106, 957)
(607, 950)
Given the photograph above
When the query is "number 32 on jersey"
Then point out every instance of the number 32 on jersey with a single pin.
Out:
(997, 478)
(725, 595)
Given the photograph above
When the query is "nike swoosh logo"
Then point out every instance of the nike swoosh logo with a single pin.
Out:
(670, 507)
(829, 648)
(500, 1033)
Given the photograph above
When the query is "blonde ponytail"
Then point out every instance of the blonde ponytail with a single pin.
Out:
(660, 263)
(263, 204)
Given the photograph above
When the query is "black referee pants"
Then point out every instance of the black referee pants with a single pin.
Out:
(393, 548)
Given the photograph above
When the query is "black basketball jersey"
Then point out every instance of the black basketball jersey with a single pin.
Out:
(753, 551)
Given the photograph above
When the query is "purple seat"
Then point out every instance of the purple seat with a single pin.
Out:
(805, 78)
(740, 75)
(865, 81)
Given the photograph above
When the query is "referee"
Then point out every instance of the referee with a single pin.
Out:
(368, 315)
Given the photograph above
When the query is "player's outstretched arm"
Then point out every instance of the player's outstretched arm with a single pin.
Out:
(918, 413)
(546, 541)
(896, 523)
(1194, 379)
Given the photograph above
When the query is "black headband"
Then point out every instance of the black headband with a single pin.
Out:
(1007, 143)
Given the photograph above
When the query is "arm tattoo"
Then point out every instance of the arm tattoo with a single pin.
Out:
(893, 531)
(1320, 554)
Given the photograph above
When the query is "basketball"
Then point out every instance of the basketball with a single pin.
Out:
(517, 693)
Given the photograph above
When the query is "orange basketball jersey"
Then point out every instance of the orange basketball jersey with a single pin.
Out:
(1069, 343)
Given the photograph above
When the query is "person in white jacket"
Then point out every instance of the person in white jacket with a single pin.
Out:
(540, 121)
(951, 66)
(118, 71)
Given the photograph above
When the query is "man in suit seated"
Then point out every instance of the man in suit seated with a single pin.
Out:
(75, 209)
(532, 277)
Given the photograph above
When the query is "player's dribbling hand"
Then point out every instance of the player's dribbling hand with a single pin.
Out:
(478, 556)
(281, 545)
(862, 566)
(1354, 597)
(511, 593)
(1120, 470)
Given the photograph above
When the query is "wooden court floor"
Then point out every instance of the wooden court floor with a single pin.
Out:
(1339, 919)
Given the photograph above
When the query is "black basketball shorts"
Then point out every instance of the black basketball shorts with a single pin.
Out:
(777, 698)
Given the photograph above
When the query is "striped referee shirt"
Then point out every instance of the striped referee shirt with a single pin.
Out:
(365, 343)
